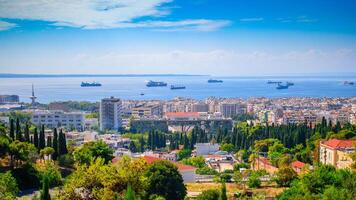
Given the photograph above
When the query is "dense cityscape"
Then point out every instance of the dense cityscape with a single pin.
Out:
(177, 100)
(242, 143)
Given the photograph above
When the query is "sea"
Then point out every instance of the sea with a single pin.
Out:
(63, 88)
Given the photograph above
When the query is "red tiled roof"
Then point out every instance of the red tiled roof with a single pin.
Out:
(335, 143)
(182, 114)
(298, 164)
(181, 167)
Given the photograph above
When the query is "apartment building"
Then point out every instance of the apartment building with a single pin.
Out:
(110, 114)
(55, 119)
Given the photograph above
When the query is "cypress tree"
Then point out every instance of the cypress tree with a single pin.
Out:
(49, 141)
(223, 195)
(12, 129)
(55, 144)
(35, 138)
(18, 130)
(27, 133)
(42, 140)
(62, 144)
(45, 189)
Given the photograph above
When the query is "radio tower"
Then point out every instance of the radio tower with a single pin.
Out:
(33, 97)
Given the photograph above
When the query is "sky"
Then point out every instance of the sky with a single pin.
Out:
(216, 37)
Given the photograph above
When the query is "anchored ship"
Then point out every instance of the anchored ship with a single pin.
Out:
(274, 82)
(177, 87)
(214, 81)
(348, 83)
(290, 83)
(281, 87)
(93, 84)
(156, 84)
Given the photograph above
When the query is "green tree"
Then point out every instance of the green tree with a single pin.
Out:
(42, 141)
(22, 151)
(92, 150)
(62, 144)
(227, 147)
(18, 130)
(285, 176)
(45, 190)
(198, 161)
(55, 144)
(27, 133)
(223, 195)
(47, 151)
(129, 194)
(35, 138)
(254, 180)
(4, 145)
(8, 186)
(12, 129)
(184, 153)
(165, 180)
(209, 195)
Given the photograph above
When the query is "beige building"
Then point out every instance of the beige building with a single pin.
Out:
(337, 152)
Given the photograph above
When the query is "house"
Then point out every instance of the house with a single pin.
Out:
(262, 163)
(187, 171)
(337, 152)
(298, 166)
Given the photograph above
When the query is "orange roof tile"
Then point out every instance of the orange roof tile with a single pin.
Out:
(335, 143)
(298, 164)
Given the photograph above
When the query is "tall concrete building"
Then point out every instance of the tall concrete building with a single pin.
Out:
(110, 114)
(229, 110)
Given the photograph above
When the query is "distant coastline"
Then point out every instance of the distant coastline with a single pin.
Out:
(6, 75)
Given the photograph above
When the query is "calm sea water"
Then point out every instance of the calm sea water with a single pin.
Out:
(68, 88)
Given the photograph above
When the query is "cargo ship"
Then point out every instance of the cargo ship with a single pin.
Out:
(274, 82)
(93, 84)
(177, 87)
(290, 83)
(156, 84)
(348, 83)
(214, 81)
(281, 87)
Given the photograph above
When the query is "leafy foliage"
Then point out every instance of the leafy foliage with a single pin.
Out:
(8, 186)
(165, 180)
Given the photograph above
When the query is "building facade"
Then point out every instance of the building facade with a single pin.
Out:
(110, 114)
(56, 119)
(337, 153)
(4, 99)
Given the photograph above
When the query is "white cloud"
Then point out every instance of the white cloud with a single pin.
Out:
(6, 25)
(101, 14)
(254, 19)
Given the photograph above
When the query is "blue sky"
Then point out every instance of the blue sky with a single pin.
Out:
(218, 37)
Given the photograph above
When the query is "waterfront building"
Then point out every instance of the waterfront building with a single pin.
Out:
(7, 99)
(110, 114)
(55, 119)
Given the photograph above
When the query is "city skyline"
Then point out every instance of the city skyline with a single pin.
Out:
(177, 37)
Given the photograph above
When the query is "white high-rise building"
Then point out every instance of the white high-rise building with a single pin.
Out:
(110, 114)
(56, 118)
